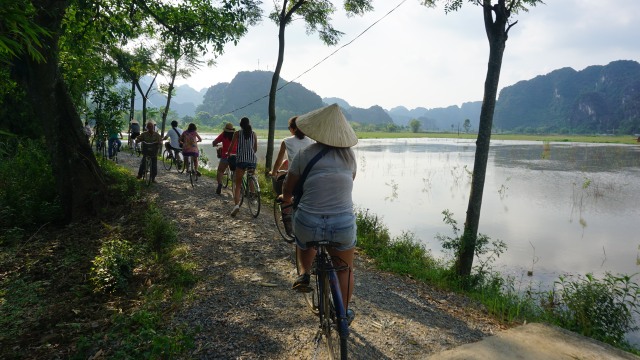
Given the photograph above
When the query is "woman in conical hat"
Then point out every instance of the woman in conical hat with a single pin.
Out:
(325, 208)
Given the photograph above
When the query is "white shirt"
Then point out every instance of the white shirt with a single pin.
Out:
(174, 138)
(294, 145)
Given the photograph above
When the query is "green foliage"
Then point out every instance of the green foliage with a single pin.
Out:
(113, 266)
(415, 125)
(21, 304)
(599, 308)
(26, 204)
(160, 233)
(19, 34)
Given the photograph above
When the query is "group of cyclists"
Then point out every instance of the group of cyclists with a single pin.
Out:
(316, 163)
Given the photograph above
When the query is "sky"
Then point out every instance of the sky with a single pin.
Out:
(415, 56)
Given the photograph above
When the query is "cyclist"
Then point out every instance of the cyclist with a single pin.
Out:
(114, 141)
(174, 142)
(289, 147)
(134, 128)
(225, 138)
(149, 136)
(325, 208)
(189, 140)
(246, 141)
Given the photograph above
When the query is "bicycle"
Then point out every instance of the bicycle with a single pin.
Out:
(148, 150)
(251, 191)
(133, 147)
(189, 164)
(325, 300)
(282, 215)
(169, 160)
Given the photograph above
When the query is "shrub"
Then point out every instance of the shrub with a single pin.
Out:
(113, 266)
(26, 204)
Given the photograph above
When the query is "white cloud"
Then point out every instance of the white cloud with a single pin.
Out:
(418, 56)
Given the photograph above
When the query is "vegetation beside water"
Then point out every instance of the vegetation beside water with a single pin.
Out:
(600, 308)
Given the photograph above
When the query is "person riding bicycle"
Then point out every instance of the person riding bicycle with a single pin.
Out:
(189, 140)
(134, 129)
(289, 147)
(246, 141)
(325, 208)
(114, 141)
(149, 136)
(174, 142)
(225, 138)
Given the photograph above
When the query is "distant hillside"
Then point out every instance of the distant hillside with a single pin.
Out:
(598, 99)
(439, 119)
(183, 102)
(247, 95)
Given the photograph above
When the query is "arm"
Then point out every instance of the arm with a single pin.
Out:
(233, 143)
(287, 188)
(198, 137)
(255, 142)
(279, 159)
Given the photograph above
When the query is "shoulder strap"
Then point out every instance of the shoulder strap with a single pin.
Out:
(297, 191)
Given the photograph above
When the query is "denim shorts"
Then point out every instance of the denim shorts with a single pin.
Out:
(340, 228)
(246, 165)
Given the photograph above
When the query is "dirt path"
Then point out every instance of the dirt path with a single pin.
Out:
(243, 307)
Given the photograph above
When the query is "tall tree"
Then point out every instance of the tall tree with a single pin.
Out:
(37, 68)
(316, 14)
(497, 23)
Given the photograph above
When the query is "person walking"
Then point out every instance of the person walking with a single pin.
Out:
(325, 207)
(224, 138)
(245, 141)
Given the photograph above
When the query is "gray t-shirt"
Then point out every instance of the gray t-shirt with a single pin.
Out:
(327, 190)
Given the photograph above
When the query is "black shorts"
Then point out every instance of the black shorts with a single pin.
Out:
(135, 135)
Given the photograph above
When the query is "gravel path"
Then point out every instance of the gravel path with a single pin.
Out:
(243, 307)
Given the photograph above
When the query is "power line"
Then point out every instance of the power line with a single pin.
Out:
(323, 60)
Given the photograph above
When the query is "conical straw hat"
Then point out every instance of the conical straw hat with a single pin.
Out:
(328, 126)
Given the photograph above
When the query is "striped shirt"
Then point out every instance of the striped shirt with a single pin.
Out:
(245, 151)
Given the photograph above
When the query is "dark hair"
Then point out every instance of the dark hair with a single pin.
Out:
(174, 123)
(246, 127)
(192, 127)
(297, 132)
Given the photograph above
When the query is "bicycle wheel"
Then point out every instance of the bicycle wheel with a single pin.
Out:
(253, 196)
(226, 178)
(147, 171)
(336, 343)
(310, 298)
(192, 173)
(277, 217)
(180, 166)
(167, 160)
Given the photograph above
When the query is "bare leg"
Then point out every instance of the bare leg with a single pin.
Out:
(238, 181)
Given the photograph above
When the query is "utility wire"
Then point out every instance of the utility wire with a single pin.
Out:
(321, 61)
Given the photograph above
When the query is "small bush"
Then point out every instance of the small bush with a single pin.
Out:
(26, 204)
(159, 231)
(599, 308)
(113, 267)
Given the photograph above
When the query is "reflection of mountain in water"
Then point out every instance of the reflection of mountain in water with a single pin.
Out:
(565, 157)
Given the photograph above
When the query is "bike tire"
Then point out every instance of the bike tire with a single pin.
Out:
(182, 167)
(167, 160)
(277, 218)
(311, 298)
(243, 189)
(147, 171)
(226, 178)
(253, 195)
(190, 170)
(334, 340)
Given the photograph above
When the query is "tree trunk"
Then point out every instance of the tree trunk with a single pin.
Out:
(132, 106)
(272, 95)
(174, 73)
(497, 36)
(79, 179)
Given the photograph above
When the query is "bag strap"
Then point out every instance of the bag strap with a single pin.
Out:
(298, 188)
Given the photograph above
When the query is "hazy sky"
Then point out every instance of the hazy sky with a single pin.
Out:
(420, 56)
